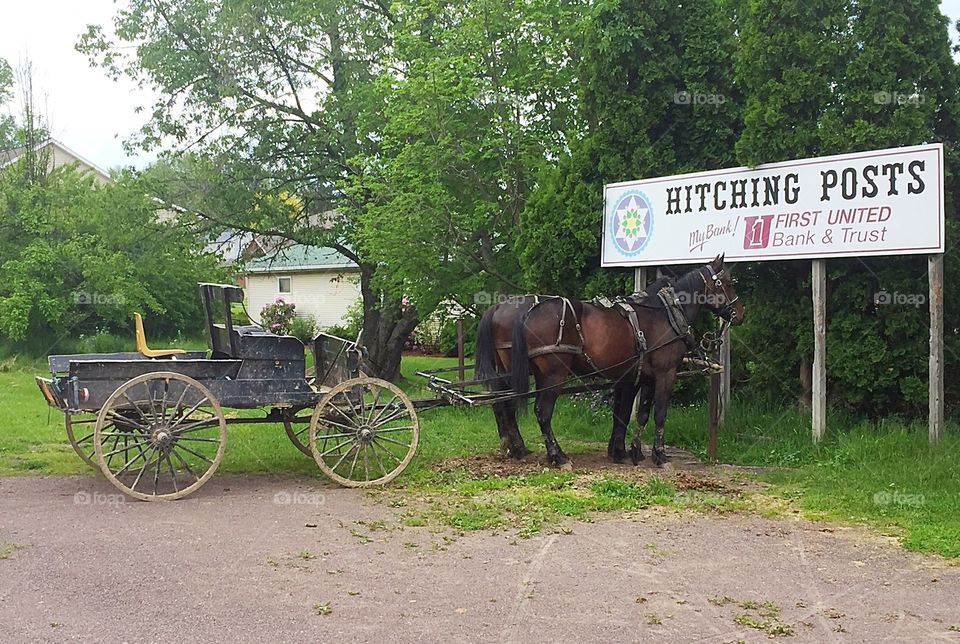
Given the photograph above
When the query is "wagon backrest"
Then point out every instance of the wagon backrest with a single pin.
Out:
(216, 300)
(335, 359)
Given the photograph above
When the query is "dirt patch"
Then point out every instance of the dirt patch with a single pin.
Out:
(683, 469)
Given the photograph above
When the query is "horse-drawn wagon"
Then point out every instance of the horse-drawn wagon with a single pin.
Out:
(153, 421)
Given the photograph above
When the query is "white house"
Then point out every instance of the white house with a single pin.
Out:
(59, 155)
(320, 281)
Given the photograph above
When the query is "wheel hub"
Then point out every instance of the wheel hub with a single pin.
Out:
(162, 438)
(365, 434)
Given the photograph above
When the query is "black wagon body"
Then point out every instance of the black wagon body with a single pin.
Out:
(153, 421)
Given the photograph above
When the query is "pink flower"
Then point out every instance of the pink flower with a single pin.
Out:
(405, 301)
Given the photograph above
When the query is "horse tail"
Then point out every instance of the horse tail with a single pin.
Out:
(519, 360)
(485, 354)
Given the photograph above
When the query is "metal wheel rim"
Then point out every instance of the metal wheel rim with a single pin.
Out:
(106, 452)
(401, 410)
(83, 446)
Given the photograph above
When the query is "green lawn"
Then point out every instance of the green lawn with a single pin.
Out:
(884, 475)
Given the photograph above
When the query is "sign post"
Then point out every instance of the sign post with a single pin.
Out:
(865, 204)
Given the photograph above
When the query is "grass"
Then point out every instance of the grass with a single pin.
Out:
(883, 474)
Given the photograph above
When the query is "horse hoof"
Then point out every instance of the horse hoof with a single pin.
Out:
(566, 467)
(520, 453)
(659, 457)
(636, 455)
(617, 455)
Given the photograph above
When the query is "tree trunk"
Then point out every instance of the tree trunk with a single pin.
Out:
(386, 325)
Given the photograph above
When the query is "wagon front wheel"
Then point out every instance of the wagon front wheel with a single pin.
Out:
(364, 432)
(160, 436)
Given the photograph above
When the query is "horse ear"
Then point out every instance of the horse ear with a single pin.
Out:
(717, 262)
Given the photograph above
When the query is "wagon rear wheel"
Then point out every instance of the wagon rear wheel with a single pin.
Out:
(160, 436)
(364, 432)
(298, 431)
(80, 429)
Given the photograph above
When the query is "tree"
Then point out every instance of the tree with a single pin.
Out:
(656, 98)
(6, 94)
(78, 257)
(826, 78)
(478, 103)
(277, 98)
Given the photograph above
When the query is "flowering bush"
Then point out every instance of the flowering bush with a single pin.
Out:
(278, 316)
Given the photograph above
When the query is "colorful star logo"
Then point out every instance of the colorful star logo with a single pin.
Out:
(631, 223)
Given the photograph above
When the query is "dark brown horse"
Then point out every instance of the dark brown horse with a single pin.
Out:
(492, 358)
(558, 338)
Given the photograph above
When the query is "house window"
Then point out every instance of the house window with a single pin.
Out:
(283, 284)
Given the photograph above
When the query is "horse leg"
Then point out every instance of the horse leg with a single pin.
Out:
(549, 374)
(643, 413)
(505, 413)
(661, 399)
(623, 395)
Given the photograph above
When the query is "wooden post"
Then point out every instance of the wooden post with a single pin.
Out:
(935, 272)
(714, 416)
(460, 357)
(725, 376)
(819, 349)
(639, 278)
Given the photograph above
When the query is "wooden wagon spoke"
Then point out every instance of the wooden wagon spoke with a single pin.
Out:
(146, 465)
(198, 438)
(395, 442)
(163, 404)
(130, 462)
(156, 472)
(123, 449)
(373, 405)
(395, 415)
(376, 457)
(127, 421)
(393, 400)
(356, 455)
(335, 447)
(188, 413)
(193, 427)
(353, 446)
(137, 408)
(173, 473)
(402, 428)
(376, 442)
(187, 449)
(327, 421)
(185, 464)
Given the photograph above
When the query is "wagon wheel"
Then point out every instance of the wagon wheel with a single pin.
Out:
(297, 431)
(364, 432)
(160, 436)
(80, 434)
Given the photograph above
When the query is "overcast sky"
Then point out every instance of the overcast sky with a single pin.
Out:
(88, 112)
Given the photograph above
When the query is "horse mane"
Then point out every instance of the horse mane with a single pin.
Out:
(688, 281)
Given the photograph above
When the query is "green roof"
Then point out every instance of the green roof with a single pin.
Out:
(299, 257)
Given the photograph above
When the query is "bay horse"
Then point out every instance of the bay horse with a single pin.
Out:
(492, 360)
(557, 338)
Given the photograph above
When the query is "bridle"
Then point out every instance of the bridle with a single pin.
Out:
(726, 311)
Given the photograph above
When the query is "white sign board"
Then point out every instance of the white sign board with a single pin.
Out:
(885, 202)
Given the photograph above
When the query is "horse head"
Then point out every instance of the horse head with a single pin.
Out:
(722, 299)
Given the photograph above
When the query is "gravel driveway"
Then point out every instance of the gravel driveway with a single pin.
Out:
(266, 559)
